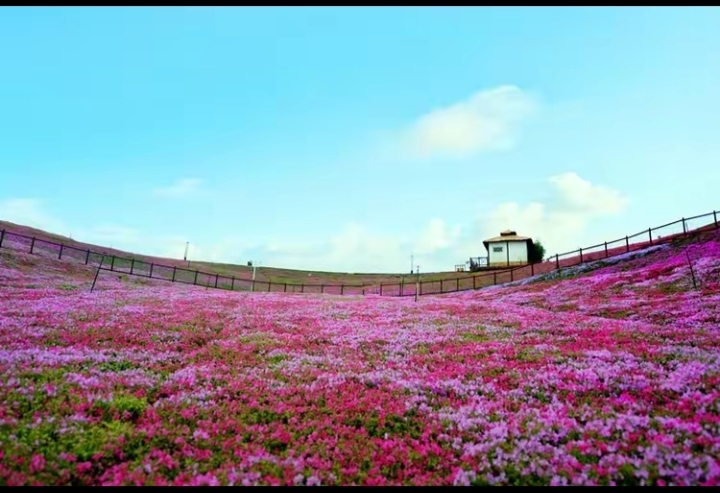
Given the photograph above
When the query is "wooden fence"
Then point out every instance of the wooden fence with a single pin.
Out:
(134, 267)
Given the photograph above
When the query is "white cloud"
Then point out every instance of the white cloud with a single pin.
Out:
(181, 188)
(29, 212)
(581, 196)
(356, 248)
(561, 224)
(488, 120)
(365, 251)
(111, 235)
(353, 249)
(437, 236)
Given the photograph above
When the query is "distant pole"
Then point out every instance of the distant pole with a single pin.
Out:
(417, 282)
(254, 266)
(411, 263)
(187, 245)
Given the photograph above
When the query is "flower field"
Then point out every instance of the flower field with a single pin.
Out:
(606, 374)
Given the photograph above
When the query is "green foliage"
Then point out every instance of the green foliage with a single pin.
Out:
(273, 360)
(264, 417)
(392, 424)
(119, 406)
(46, 439)
(536, 253)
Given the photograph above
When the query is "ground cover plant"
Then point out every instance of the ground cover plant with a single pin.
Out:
(608, 374)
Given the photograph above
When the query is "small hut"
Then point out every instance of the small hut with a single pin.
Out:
(508, 249)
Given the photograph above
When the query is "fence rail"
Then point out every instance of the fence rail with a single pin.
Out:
(113, 263)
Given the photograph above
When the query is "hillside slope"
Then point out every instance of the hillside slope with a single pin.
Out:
(611, 376)
(263, 273)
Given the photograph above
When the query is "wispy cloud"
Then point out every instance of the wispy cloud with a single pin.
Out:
(30, 212)
(181, 188)
(487, 120)
(112, 235)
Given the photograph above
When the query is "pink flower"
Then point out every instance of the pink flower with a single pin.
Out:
(37, 463)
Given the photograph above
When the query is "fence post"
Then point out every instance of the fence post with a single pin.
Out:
(627, 244)
(32, 244)
(112, 263)
(322, 288)
(692, 271)
(87, 257)
(474, 283)
(174, 272)
(714, 216)
(302, 288)
(402, 286)
(457, 284)
(441, 285)
(494, 278)
(195, 280)
(606, 252)
(60, 253)
(232, 283)
(684, 228)
(285, 288)
(511, 275)
(557, 261)
(216, 279)
(132, 265)
(97, 273)
(2, 234)
(581, 259)
(269, 285)
(532, 269)
(650, 235)
(380, 289)
(152, 266)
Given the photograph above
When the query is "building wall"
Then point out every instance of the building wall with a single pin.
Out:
(518, 252)
(498, 253)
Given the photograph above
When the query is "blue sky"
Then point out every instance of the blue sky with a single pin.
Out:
(348, 138)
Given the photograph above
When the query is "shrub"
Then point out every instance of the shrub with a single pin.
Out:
(536, 253)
